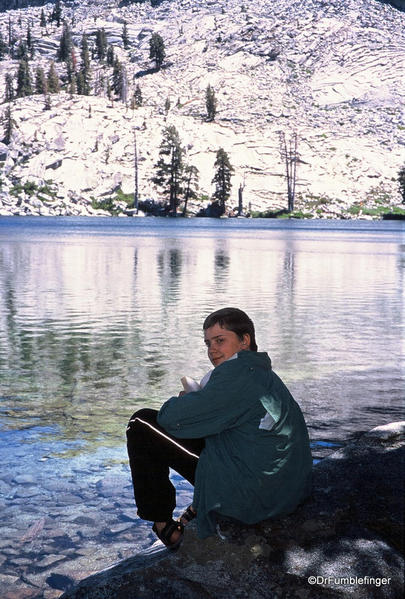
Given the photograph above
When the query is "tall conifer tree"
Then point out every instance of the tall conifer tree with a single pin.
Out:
(222, 178)
(57, 13)
(3, 47)
(157, 49)
(65, 45)
(53, 79)
(125, 38)
(8, 124)
(9, 88)
(40, 81)
(24, 87)
(101, 43)
(83, 78)
(169, 167)
(210, 103)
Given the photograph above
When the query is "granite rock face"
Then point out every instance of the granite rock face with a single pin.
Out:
(332, 72)
(345, 541)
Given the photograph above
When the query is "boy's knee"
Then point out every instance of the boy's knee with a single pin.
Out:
(145, 415)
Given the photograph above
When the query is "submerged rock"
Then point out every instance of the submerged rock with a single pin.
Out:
(345, 541)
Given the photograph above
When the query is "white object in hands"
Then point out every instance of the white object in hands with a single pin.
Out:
(190, 384)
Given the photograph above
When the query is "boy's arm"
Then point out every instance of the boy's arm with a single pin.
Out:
(219, 405)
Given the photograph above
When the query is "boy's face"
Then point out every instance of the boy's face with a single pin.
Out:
(222, 344)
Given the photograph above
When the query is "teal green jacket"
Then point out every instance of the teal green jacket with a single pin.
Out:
(245, 471)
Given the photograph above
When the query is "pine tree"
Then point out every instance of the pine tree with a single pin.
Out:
(117, 77)
(401, 181)
(21, 52)
(169, 167)
(125, 38)
(29, 38)
(85, 55)
(8, 124)
(65, 45)
(57, 13)
(53, 79)
(9, 88)
(71, 70)
(157, 50)
(138, 100)
(3, 47)
(80, 83)
(24, 87)
(83, 77)
(101, 43)
(42, 21)
(222, 178)
(110, 56)
(210, 103)
(40, 81)
(190, 184)
(72, 85)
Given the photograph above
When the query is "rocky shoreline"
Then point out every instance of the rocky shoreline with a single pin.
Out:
(351, 527)
(346, 541)
(86, 521)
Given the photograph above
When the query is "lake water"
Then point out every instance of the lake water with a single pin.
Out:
(101, 316)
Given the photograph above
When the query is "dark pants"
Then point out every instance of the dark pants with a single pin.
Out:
(152, 451)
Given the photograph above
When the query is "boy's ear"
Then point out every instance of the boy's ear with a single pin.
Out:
(246, 340)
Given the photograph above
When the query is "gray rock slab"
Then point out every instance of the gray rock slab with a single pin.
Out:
(49, 560)
(24, 479)
(348, 535)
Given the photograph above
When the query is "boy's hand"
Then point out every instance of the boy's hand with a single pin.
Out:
(182, 392)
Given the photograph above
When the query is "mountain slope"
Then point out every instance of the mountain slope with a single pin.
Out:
(331, 71)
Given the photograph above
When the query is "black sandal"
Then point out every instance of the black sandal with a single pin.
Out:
(188, 515)
(166, 533)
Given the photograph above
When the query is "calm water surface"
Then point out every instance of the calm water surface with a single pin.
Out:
(101, 316)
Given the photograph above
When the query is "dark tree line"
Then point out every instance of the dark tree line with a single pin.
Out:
(178, 180)
(77, 76)
(15, 4)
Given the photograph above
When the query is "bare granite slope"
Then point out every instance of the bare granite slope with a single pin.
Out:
(333, 72)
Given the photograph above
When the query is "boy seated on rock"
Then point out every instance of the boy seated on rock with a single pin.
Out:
(240, 439)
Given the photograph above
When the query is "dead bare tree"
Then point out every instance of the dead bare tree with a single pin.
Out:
(289, 154)
(136, 192)
(240, 196)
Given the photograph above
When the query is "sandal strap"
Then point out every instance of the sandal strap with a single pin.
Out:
(189, 514)
(166, 533)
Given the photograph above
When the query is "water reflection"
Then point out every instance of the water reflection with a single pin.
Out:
(222, 262)
(99, 318)
(93, 326)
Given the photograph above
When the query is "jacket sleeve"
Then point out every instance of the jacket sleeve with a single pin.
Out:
(222, 404)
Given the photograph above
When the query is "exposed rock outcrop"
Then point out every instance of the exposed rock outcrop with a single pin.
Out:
(348, 536)
(332, 71)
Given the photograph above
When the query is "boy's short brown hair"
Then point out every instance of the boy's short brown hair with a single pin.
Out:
(234, 320)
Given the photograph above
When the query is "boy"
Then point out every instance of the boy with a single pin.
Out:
(241, 440)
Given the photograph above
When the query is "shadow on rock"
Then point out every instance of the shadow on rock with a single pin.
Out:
(345, 541)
